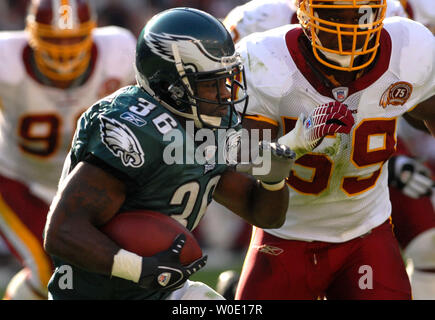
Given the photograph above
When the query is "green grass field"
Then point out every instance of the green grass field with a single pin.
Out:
(218, 262)
(210, 277)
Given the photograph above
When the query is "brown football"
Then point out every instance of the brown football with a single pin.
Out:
(147, 233)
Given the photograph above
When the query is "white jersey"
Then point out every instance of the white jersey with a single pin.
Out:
(262, 15)
(339, 191)
(37, 122)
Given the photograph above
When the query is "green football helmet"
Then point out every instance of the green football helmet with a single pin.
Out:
(181, 47)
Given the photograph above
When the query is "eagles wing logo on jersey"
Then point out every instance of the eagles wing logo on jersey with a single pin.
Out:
(190, 48)
(122, 142)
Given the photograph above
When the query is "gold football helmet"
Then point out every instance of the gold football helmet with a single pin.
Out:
(60, 35)
(356, 30)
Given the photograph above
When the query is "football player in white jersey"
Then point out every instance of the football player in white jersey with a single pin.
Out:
(49, 74)
(337, 241)
(412, 211)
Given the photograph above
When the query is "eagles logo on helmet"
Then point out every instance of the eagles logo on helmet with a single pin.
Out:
(352, 40)
(60, 36)
(178, 49)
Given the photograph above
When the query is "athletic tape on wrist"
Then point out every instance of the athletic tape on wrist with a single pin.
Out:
(127, 265)
(273, 187)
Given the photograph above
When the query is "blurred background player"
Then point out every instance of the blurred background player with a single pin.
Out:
(422, 11)
(130, 14)
(294, 228)
(410, 180)
(49, 74)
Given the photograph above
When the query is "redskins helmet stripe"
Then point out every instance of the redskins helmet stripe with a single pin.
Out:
(60, 35)
(368, 27)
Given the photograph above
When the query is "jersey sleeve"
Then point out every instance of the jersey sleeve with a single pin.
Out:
(131, 150)
(412, 57)
(427, 89)
(418, 59)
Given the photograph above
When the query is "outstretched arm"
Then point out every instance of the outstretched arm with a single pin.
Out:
(263, 204)
(259, 203)
(245, 196)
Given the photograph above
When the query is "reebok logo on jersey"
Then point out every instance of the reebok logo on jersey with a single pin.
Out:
(274, 251)
(130, 117)
(209, 167)
(122, 142)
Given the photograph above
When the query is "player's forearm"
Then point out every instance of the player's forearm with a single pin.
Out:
(268, 208)
(244, 196)
(82, 245)
(88, 198)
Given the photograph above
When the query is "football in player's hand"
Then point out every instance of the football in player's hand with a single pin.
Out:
(147, 233)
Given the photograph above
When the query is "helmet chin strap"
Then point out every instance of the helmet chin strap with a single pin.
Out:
(144, 84)
(182, 73)
(213, 120)
(341, 60)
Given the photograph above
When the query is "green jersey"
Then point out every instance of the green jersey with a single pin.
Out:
(164, 169)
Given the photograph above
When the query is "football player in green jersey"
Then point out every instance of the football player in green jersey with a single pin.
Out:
(187, 77)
